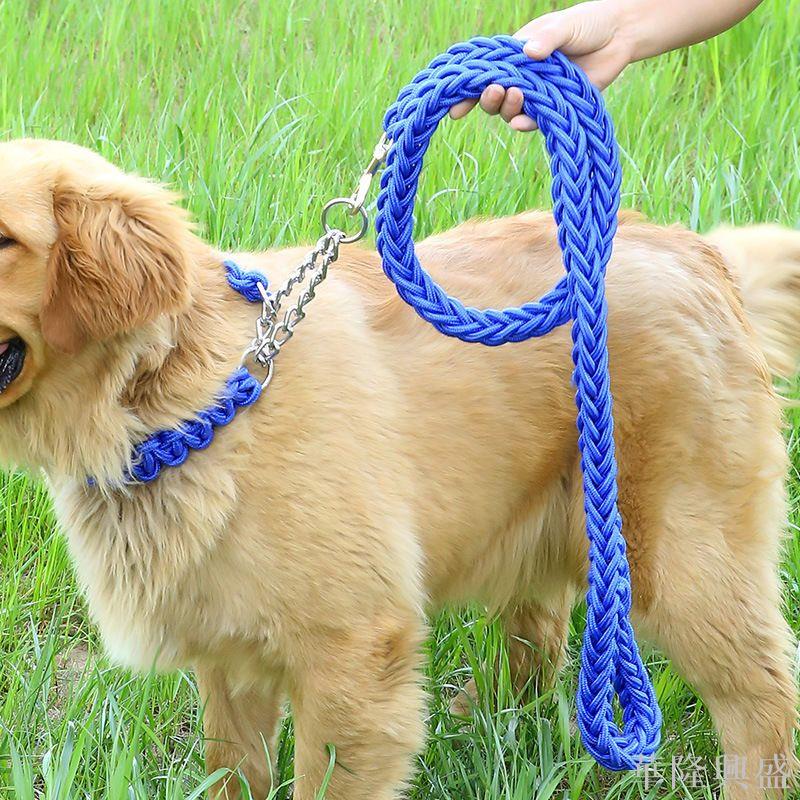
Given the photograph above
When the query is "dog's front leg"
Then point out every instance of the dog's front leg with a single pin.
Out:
(359, 700)
(239, 728)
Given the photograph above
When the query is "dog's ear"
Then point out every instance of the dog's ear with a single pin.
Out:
(120, 260)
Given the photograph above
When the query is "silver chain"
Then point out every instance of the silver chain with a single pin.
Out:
(275, 327)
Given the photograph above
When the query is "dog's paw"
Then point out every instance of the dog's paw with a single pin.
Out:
(465, 701)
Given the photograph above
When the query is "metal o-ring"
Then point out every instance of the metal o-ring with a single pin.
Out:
(346, 201)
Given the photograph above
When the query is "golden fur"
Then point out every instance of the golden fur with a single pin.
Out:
(389, 469)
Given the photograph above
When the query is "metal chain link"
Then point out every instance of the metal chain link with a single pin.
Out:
(274, 331)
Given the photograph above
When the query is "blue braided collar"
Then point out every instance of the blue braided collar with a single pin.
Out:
(171, 447)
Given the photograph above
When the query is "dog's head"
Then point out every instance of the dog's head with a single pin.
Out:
(88, 254)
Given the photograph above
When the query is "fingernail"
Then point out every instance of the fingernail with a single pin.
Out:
(532, 48)
(523, 124)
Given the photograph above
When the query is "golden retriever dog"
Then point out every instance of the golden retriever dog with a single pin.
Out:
(389, 470)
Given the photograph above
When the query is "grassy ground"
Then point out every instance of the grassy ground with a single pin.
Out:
(258, 112)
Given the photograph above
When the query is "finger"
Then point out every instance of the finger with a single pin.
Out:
(463, 108)
(545, 34)
(492, 98)
(545, 41)
(512, 104)
(523, 124)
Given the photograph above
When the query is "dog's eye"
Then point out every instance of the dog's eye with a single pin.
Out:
(6, 242)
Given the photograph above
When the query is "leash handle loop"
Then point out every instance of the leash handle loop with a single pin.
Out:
(585, 190)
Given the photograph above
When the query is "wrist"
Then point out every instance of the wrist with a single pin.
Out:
(630, 35)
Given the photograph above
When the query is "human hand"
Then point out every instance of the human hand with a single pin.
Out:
(593, 34)
(604, 36)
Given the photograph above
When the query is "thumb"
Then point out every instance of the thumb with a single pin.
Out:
(545, 34)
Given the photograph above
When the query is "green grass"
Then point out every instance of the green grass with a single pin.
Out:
(259, 112)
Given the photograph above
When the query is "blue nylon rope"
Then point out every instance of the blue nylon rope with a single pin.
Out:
(585, 190)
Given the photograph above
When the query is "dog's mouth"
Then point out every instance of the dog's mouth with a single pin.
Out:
(12, 360)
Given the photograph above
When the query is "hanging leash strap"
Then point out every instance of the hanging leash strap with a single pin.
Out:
(585, 190)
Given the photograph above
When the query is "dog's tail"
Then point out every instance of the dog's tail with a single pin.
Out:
(765, 260)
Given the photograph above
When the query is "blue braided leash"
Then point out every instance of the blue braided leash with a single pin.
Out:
(585, 190)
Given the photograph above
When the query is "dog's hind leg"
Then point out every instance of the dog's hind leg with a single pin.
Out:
(716, 614)
(240, 728)
(536, 637)
(537, 641)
